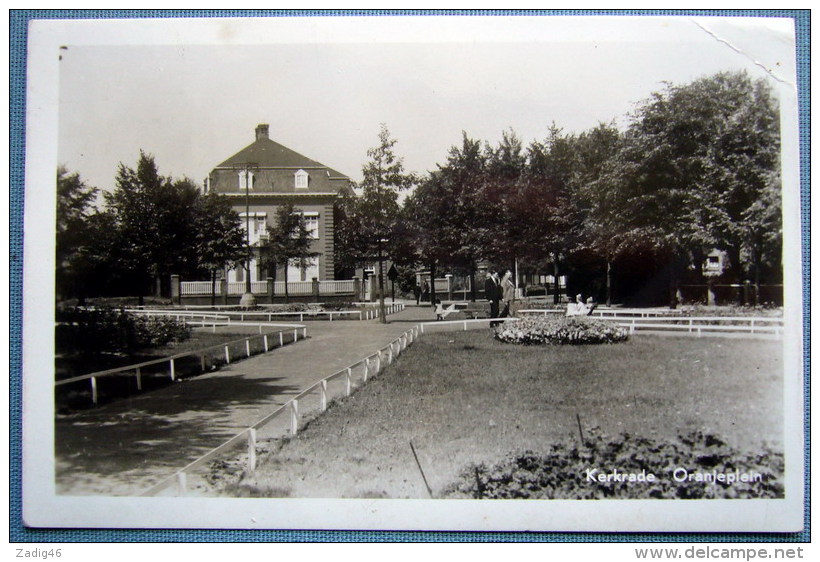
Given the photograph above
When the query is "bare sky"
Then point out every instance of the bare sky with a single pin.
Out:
(193, 99)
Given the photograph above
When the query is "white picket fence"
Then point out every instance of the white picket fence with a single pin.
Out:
(295, 288)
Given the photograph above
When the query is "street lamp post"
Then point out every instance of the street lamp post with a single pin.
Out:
(248, 300)
(382, 315)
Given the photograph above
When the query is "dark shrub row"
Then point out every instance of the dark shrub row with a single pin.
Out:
(687, 468)
(114, 331)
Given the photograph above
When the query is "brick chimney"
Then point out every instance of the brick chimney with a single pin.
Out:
(262, 131)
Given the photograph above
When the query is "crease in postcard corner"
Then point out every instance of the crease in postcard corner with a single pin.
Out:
(725, 41)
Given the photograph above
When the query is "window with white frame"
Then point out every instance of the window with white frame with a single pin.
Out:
(312, 224)
(258, 224)
(301, 179)
(245, 177)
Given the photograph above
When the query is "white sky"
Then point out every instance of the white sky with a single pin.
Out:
(191, 93)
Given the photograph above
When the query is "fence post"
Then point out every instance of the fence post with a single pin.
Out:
(182, 482)
(365, 373)
(248, 347)
(265, 339)
(294, 416)
(94, 390)
(295, 334)
(251, 450)
(175, 292)
(323, 399)
(270, 290)
(281, 341)
(227, 355)
(347, 382)
(173, 370)
(139, 379)
(315, 288)
(304, 333)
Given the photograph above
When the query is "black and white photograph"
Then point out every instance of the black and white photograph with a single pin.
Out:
(532, 273)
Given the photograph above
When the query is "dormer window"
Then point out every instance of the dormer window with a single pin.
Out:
(243, 178)
(301, 179)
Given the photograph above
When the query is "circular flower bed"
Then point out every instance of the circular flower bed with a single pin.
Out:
(559, 330)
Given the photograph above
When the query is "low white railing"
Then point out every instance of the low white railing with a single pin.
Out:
(363, 369)
(670, 320)
(705, 324)
(288, 334)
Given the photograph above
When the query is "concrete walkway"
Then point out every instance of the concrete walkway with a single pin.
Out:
(125, 447)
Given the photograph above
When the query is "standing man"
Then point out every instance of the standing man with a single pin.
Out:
(507, 290)
(492, 294)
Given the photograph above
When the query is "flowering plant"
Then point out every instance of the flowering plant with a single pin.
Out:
(539, 330)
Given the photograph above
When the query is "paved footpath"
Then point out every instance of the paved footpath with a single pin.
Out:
(125, 447)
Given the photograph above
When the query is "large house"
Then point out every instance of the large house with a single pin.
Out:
(263, 176)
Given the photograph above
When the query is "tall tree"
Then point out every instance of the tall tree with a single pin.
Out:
(74, 205)
(546, 215)
(350, 249)
(446, 214)
(383, 179)
(502, 239)
(695, 161)
(219, 236)
(600, 205)
(289, 242)
(153, 221)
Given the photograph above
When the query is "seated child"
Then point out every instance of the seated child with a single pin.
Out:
(439, 310)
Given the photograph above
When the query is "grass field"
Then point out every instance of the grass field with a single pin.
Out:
(463, 398)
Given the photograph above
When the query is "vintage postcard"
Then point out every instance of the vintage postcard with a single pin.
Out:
(513, 273)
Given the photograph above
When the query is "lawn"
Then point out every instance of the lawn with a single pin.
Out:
(464, 398)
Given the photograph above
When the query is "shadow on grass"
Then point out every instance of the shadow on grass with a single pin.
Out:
(168, 428)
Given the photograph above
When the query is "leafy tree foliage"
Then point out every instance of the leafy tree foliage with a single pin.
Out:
(153, 220)
(219, 236)
(378, 208)
(696, 161)
(74, 206)
(289, 242)
(446, 218)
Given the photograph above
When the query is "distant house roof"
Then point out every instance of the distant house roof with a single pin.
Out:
(266, 153)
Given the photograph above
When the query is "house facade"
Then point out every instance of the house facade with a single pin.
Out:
(262, 177)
